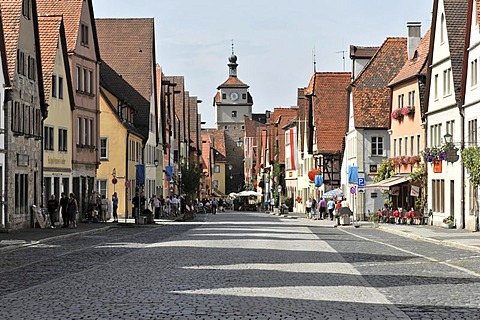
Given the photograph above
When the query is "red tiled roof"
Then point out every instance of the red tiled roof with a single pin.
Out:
(49, 32)
(217, 138)
(233, 82)
(330, 107)
(371, 94)
(128, 48)
(417, 65)
(11, 11)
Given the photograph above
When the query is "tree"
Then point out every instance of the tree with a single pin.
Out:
(190, 182)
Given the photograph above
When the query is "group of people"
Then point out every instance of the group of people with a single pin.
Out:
(161, 207)
(98, 208)
(323, 209)
(214, 205)
(67, 207)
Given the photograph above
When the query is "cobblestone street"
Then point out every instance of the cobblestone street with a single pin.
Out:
(240, 266)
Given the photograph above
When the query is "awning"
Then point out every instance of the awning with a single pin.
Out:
(387, 183)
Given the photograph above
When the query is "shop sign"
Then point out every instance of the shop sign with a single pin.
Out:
(437, 166)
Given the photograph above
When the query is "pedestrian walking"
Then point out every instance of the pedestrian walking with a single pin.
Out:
(331, 208)
(214, 206)
(72, 211)
(308, 207)
(52, 208)
(64, 209)
(115, 207)
(272, 203)
(323, 208)
(155, 204)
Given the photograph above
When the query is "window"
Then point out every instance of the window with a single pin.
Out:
(79, 131)
(400, 146)
(102, 188)
(54, 85)
(234, 114)
(436, 135)
(225, 127)
(394, 147)
(411, 98)
(224, 96)
(62, 140)
(412, 145)
(84, 35)
(92, 140)
(20, 62)
(450, 127)
(48, 138)
(90, 76)
(84, 80)
(26, 4)
(103, 148)
(400, 100)
(86, 131)
(31, 68)
(418, 144)
(216, 169)
(472, 132)
(79, 78)
(473, 73)
(442, 29)
(244, 96)
(21, 193)
(60, 88)
(436, 87)
(447, 74)
(377, 146)
(406, 146)
(438, 195)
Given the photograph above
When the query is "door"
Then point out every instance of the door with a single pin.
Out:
(452, 198)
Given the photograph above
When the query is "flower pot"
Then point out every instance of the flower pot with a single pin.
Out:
(344, 221)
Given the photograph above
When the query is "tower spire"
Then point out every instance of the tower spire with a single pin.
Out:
(233, 63)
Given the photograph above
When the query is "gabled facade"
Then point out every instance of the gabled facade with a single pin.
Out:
(219, 172)
(407, 134)
(57, 128)
(444, 108)
(120, 141)
(330, 107)
(368, 141)
(84, 60)
(25, 109)
(128, 47)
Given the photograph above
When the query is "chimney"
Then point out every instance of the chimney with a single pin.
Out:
(414, 37)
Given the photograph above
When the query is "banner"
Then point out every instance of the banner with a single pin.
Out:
(353, 174)
(140, 171)
(169, 173)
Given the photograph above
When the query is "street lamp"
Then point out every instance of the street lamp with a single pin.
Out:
(448, 137)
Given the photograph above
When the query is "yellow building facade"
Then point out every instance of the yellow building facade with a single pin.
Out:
(120, 151)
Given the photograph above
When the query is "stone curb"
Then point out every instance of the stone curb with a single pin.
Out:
(427, 239)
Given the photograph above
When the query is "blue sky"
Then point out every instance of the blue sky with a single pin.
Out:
(274, 39)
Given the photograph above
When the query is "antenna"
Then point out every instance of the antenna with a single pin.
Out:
(343, 57)
(314, 60)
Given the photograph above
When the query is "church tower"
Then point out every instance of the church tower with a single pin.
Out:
(232, 103)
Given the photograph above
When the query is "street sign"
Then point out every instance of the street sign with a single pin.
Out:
(114, 180)
(127, 184)
(353, 190)
(361, 182)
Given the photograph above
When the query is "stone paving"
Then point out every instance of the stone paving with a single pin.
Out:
(239, 266)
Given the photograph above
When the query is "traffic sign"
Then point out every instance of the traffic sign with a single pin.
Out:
(114, 180)
(353, 190)
(361, 182)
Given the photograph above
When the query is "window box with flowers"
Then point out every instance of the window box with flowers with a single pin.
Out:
(406, 160)
(399, 113)
(298, 199)
(442, 153)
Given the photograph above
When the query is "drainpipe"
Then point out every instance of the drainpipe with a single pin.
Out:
(126, 174)
(462, 172)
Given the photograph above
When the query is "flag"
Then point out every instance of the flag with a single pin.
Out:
(353, 174)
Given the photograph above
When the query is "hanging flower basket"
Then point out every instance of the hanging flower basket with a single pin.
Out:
(312, 173)
(397, 114)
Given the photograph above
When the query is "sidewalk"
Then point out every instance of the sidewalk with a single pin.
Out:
(462, 239)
